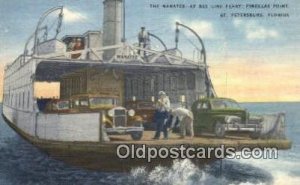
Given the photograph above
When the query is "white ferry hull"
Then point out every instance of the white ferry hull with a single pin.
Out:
(81, 127)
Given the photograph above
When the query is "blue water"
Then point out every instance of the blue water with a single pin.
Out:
(22, 163)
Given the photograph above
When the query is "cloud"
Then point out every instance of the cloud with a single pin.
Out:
(73, 16)
(204, 28)
(254, 31)
(237, 22)
(6, 30)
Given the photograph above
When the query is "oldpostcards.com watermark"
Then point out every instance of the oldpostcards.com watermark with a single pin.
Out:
(145, 152)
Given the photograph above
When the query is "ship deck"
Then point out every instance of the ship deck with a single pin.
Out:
(236, 141)
(103, 156)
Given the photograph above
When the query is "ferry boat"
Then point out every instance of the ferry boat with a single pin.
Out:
(89, 78)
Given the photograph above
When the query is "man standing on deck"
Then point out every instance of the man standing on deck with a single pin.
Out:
(144, 40)
(161, 115)
(77, 46)
(186, 120)
(71, 44)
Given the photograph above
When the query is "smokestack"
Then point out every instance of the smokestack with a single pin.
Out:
(112, 25)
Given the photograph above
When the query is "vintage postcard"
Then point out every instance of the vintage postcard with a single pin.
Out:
(149, 92)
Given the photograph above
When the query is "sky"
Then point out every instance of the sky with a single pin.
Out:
(250, 59)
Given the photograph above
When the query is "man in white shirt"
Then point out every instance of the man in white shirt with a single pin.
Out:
(186, 120)
(163, 103)
(161, 115)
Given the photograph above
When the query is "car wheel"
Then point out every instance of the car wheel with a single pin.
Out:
(137, 135)
(255, 135)
(219, 130)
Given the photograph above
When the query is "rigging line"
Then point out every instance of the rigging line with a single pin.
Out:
(52, 24)
(191, 42)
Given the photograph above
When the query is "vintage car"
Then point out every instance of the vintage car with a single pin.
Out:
(117, 119)
(145, 109)
(57, 106)
(223, 115)
(93, 102)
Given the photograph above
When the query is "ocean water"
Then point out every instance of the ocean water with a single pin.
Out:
(22, 163)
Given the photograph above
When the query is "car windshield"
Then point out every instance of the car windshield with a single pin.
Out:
(63, 105)
(98, 101)
(146, 105)
(222, 104)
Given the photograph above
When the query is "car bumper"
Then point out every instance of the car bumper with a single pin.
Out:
(123, 130)
(243, 127)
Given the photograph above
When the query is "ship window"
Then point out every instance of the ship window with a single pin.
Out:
(28, 95)
(21, 97)
(11, 100)
(23, 102)
(181, 82)
(191, 81)
(152, 84)
(19, 100)
(173, 83)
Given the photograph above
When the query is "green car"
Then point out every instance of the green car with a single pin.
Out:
(222, 115)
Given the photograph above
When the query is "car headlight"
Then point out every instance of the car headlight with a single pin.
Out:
(232, 119)
(111, 113)
(103, 119)
(227, 119)
(131, 112)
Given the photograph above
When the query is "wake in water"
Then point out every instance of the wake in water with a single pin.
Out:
(185, 172)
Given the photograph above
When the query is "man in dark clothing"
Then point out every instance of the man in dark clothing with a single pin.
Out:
(160, 120)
